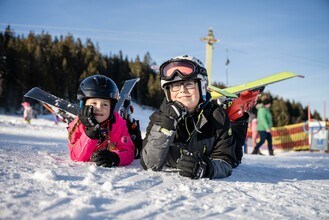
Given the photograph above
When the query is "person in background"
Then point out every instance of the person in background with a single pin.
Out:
(56, 119)
(189, 132)
(28, 112)
(253, 126)
(264, 126)
(98, 133)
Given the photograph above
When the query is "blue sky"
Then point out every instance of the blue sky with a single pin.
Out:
(260, 37)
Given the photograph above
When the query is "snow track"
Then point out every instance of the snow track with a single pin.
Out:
(39, 181)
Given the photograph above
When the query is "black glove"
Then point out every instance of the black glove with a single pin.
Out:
(170, 114)
(87, 119)
(193, 166)
(105, 158)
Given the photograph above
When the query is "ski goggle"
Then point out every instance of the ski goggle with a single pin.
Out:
(184, 68)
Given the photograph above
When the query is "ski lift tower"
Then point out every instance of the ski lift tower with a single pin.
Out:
(210, 41)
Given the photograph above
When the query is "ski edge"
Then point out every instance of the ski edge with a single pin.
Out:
(221, 92)
(257, 83)
(121, 98)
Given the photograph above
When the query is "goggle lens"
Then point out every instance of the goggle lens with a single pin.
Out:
(184, 68)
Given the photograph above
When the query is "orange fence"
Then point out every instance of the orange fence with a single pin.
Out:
(290, 137)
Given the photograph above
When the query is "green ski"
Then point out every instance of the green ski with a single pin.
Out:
(222, 92)
(216, 93)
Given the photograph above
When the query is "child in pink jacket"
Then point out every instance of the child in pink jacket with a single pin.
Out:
(99, 134)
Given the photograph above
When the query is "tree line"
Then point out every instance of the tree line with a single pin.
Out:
(59, 64)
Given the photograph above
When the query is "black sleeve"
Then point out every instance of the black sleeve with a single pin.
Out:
(224, 146)
(240, 129)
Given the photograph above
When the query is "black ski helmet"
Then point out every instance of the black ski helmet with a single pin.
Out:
(98, 86)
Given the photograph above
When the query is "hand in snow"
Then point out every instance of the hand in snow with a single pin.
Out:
(105, 158)
(192, 166)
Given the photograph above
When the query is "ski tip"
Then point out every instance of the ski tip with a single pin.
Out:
(30, 91)
(293, 74)
(132, 80)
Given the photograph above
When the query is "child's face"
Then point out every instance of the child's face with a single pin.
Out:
(188, 94)
(102, 108)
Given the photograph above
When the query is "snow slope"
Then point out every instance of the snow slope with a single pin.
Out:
(38, 181)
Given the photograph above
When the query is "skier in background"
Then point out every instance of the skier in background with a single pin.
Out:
(253, 126)
(56, 119)
(98, 133)
(264, 126)
(28, 112)
(189, 132)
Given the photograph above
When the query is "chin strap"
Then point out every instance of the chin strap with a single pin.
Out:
(203, 104)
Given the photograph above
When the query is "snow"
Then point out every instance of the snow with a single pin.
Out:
(39, 181)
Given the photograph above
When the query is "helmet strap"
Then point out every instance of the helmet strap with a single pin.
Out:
(113, 104)
(204, 103)
(82, 103)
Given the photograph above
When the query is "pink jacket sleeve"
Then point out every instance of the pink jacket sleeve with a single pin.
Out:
(81, 146)
(120, 139)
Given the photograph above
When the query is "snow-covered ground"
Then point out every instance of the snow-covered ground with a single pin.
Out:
(38, 181)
